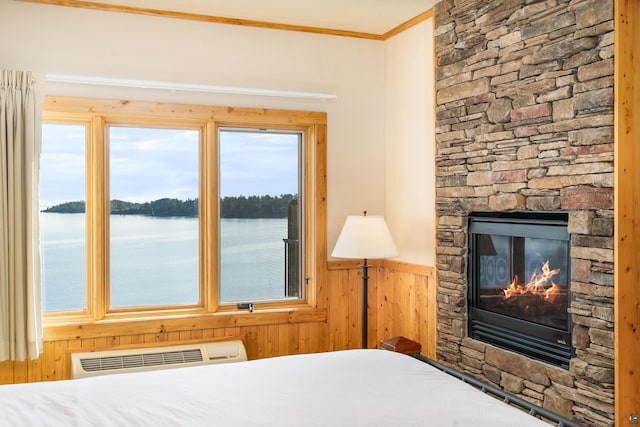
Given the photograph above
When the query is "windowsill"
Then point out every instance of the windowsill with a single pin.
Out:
(118, 326)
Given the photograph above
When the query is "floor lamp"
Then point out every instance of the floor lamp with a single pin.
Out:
(364, 237)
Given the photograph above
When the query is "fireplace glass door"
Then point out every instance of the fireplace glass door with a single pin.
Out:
(519, 283)
(521, 277)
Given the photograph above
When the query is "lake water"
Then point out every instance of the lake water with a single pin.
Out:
(155, 261)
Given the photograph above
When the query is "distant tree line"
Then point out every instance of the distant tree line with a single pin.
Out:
(67, 207)
(255, 206)
(230, 207)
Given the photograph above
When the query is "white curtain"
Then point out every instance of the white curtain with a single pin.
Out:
(20, 278)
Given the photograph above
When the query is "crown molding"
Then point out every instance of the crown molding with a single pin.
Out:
(234, 21)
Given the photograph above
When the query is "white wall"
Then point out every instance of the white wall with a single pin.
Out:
(410, 144)
(62, 40)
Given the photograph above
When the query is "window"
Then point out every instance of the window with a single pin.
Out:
(62, 217)
(154, 217)
(260, 174)
(164, 209)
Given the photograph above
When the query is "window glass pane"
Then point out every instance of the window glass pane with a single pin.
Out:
(259, 215)
(154, 226)
(62, 217)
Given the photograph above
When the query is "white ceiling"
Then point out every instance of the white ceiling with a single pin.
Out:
(366, 16)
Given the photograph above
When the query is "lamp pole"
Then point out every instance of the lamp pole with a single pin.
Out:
(365, 305)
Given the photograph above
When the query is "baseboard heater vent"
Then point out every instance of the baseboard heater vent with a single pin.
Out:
(95, 363)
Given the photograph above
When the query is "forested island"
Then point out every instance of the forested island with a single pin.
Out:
(230, 207)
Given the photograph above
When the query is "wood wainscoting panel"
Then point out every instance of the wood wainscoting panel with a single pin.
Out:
(406, 305)
(401, 302)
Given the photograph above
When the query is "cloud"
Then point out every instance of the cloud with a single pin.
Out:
(254, 163)
(62, 164)
(148, 163)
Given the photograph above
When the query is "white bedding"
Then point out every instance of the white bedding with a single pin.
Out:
(344, 388)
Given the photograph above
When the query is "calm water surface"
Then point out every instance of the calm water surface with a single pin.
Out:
(154, 261)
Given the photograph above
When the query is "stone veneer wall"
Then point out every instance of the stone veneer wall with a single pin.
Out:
(525, 122)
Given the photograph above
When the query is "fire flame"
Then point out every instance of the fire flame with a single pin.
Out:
(536, 285)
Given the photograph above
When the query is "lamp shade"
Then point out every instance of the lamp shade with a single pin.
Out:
(365, 237)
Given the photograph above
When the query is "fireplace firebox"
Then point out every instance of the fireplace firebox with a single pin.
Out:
(519, 277)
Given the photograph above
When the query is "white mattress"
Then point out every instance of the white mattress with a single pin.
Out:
(344, 388)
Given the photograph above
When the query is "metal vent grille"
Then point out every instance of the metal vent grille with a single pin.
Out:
(110, 363)
(104, 362)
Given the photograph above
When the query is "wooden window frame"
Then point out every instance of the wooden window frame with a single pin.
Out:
(97, 115)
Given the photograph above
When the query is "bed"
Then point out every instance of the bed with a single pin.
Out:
(342, 388)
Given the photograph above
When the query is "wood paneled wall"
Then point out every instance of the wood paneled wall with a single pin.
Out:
(401, 302)
(627, 199)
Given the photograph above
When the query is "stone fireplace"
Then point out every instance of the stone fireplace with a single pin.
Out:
(524, 110)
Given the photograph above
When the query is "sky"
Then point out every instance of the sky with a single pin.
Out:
(148, 164)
